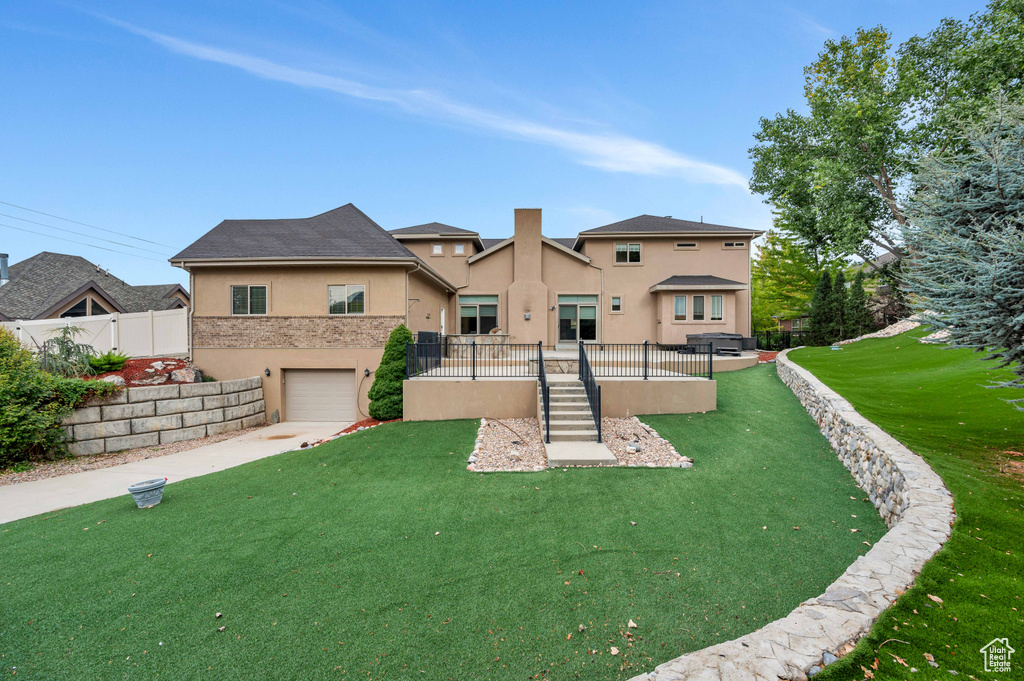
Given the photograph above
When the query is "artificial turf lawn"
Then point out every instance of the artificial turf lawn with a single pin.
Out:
(933, 400)
(327, 563)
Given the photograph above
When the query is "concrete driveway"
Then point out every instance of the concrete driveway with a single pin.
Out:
(27, 499)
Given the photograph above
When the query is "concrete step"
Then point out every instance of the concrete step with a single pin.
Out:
(563, 412)
(579, 454)
(566, 424)
(567, 390)
(573, 435)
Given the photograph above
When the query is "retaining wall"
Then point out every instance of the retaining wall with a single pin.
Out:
(154, 415)
(911, 499)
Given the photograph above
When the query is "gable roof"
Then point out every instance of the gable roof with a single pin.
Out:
(43, 283)
(557, 244)
(652, 224)
(433, 228)
(696, 282)
(344, 232)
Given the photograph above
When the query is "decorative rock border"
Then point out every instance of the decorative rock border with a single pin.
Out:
(914, 503)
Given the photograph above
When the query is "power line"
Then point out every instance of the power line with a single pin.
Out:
(80, 243)
(88, 236)
(85, 224)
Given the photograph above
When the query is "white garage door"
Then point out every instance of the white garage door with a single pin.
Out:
(320, 394)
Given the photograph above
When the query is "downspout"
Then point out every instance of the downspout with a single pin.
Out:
(191, 311)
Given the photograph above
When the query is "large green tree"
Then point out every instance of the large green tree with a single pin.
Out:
(783, 276)
(967, 233)
(837, 174)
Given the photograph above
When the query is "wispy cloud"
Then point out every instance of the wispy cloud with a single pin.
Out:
(609, 151)
(807, 23)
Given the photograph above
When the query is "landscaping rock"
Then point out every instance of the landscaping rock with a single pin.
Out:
(183, 375)
(116, 380)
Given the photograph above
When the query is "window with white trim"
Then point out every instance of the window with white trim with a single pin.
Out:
(679, 309)
(686, 245)
(627, 253)
(248, 300)
(437, 249)
(717, 308)
(346, 299)
(616, 303)
(478, 314)
(735, 244)
(460, 249)
(698, 308)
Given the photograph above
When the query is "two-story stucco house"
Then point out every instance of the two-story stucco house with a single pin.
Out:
(309, 302)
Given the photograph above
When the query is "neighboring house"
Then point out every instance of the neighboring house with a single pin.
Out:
(312, 300)
(796, 325)
(55, 285)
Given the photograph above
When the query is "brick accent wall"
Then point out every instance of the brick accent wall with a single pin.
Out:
(366, 331)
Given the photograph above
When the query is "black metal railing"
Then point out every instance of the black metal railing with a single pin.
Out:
(644, 360)
(545, 392)
(591, 387)
(471, 360)
(778, 339)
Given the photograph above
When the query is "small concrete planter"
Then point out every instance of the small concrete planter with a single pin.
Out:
(149, 493)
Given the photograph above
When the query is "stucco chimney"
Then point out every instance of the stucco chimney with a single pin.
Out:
(527, 294)
(3, 269)
(527, 245)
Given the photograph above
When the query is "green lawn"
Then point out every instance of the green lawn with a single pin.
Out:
(379, 555)
(932, 399)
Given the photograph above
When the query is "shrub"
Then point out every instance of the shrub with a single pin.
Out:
(386, 393)
(64, 356)
(33, 403)
(108, 361)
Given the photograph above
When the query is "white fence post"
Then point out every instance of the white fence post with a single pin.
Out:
(152, 335)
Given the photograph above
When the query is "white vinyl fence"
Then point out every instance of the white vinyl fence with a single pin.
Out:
(139, 334)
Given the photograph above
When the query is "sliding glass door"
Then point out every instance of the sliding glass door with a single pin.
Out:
(577, 319)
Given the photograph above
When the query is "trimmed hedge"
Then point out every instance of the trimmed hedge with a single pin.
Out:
(33, 403)
(386, 393)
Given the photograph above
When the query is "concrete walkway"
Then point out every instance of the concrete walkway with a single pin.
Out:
(27, 499)
(579, 454)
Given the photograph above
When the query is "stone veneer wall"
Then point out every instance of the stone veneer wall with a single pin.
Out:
(914, 503)
(254, 331)
(156, 415)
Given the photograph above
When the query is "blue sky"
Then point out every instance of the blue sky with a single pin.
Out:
(158, 122)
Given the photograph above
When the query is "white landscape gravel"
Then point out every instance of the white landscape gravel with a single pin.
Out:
(514, 445)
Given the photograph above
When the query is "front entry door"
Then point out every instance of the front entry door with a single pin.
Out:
(568, 323)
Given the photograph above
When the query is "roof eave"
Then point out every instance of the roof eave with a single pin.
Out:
(752, 233)
(185, 263)
(697, 287)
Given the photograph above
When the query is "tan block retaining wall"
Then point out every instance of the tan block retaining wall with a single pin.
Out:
(156, 415)
(914, 503)
(340, 331)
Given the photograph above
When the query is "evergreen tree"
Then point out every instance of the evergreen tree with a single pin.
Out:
(967, 234)
(821, 313)
(859, 319)
(386, 392)
(839, 327)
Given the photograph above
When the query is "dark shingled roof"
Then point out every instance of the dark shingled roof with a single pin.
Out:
(653, 223)
(698, 280)
(344, 232)
(431, 228)
(45, 281)
(567, 242)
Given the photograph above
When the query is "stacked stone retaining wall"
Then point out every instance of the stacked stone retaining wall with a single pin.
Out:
(914, 503)
(154, 415)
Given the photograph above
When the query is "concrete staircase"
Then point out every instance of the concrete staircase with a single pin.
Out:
(571, 418)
